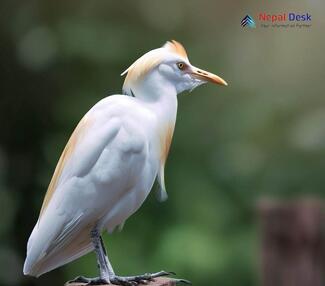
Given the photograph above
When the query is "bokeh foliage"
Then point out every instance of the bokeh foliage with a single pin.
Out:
(264, 135)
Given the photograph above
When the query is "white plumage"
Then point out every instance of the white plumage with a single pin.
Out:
(112, 159)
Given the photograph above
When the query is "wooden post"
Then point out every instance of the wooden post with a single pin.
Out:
(293, 243)
(156, 282)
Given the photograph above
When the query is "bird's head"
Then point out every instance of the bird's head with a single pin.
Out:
(165, 68)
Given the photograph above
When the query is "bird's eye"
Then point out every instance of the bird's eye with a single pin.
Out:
(181, 66)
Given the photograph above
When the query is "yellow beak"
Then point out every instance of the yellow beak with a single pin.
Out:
(207, 76)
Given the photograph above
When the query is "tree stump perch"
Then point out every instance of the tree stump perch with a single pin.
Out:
(293, 243)
(156, 282)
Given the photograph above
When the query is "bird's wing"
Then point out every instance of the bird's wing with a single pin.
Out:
(61, 217)
(93, 133)
(69, 149)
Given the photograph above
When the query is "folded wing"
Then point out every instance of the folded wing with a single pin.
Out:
(59, 224)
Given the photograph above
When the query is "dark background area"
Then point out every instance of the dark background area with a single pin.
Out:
(263, 136)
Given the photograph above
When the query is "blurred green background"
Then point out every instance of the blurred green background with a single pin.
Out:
(264, 135)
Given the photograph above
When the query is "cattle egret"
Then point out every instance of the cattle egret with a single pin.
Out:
(110, 163)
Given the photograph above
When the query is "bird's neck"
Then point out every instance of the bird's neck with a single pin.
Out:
(159, 95)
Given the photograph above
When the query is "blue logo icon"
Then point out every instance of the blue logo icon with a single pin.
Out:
(248, 21)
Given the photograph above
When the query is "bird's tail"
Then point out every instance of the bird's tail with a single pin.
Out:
(50, 247)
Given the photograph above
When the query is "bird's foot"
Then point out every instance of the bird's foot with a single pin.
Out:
(126, 280)
(89, 281)
(143, 279)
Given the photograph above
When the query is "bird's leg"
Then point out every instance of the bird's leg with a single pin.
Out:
(108, 264)
(133, 280)
(107, 274)
(105, 268)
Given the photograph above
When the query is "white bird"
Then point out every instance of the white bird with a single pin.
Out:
(110, 163)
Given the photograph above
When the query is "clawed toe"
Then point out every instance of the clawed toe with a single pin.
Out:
(138, 279)
(117, 280)
(88, 281)
(182, 281)
(98, 281)
(79, 279)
